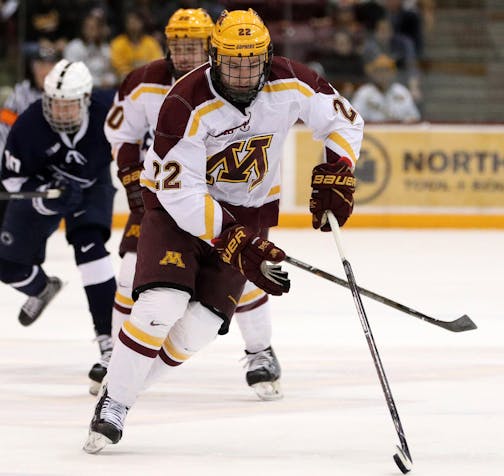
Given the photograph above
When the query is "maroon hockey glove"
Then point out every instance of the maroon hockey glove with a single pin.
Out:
(130, 178)
(248, 252)
(333, 186)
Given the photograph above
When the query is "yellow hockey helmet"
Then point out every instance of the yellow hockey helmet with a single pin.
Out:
(240, 54)
(189, 23)
(240, 33)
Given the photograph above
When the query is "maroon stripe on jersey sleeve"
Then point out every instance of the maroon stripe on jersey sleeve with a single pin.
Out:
(284, 68)
(157, 72)
(128, 156)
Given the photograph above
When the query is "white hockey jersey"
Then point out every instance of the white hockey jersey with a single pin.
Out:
(394, 105)
(214, 153)
(132, 119)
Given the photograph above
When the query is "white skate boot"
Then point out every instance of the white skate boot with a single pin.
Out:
(263, 374)
(107, 424)
(99, 370)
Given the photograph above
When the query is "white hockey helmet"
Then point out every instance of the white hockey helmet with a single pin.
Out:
(66, 97)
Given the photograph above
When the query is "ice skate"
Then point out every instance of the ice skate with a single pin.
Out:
(263, 374)
(99, 370)
(34, 306)
(107, 424)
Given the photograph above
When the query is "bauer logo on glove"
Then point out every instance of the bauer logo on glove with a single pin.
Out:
(333, 186)
(249, 253)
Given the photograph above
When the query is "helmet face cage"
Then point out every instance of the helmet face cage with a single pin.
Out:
(66, 97)
(241, 54)
(240, 78)
(65, 115)
(187, 33)
(187, 54)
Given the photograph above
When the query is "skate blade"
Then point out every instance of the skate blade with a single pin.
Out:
(95, 442)
(268, 391)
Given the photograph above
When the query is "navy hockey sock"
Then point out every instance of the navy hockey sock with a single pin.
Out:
(101, 299)
(28, 279)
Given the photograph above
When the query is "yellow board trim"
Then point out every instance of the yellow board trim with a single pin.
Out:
(343, 143)
(170, 349)
(123, 299)
(273, 88)
(149, 89)
(303, 220)
(142, 336)
(199, 114)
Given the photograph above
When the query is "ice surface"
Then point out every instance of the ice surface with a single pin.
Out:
(203, 419)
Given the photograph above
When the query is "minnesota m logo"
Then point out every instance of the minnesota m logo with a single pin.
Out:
(133, 230)
(173, 257)
(241, 161)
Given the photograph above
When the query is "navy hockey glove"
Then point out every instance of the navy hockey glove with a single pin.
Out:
(240, 247)
(333, 186)
(68, 201)
(130, 178)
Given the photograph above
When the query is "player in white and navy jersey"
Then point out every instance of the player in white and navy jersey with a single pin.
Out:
(213, 185)
(58, 143)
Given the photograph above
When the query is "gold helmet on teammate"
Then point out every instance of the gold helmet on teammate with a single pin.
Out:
(187, 34)
(240, 55)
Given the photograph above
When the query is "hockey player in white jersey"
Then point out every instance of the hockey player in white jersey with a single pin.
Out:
(212, 192)
(383, 99)
(129, 128)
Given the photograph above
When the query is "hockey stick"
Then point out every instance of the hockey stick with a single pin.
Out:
(403, 456)
(49, 193)
(461, 324)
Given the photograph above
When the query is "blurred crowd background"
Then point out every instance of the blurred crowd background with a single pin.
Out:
(443, 59)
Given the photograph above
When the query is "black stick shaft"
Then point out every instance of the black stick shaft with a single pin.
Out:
(50, 193)
(461, 324)
(369, 338)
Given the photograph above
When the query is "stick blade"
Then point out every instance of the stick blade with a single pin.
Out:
(403, 462)
(462, 324)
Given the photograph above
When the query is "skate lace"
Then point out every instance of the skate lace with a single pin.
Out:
(105, 343)
(259, 360)
(113, 412)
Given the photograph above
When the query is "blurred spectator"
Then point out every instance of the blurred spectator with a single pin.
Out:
(368, 14)
(46, 26)
(383, 40)
(134, 47)
(406, 21)
(383, 99)
(26, 91)
(340, 63)
(92, 49)
(22, 95)
(8, 9)
(153, 13)
(343, 16)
